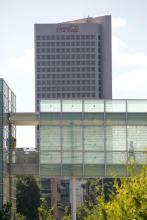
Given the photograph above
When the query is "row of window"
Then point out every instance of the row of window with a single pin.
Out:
(67, 56)
(63, 75)
(67, 37)
(65, 43)
(66, 63)
(70, 88)
(68, 50)
(67, 95)
(68, 69)
(65, 82)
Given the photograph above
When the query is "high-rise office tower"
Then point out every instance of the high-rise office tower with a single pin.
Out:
(73, 59)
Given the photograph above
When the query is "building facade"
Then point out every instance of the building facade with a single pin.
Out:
(73, 59)
(91, 138)
(7, 143)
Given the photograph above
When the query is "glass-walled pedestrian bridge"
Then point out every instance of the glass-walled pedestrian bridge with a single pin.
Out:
(89, 138)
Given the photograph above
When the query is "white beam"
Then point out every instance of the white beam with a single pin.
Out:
(24, 118)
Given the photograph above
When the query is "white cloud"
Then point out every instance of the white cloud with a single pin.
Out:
(25, 63)
(129, 71)
(130, 84)
(20, 75)
(123, 58)
(118, 23)
(117, 44)
(25, 136)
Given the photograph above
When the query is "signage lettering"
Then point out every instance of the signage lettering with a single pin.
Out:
(71, 28)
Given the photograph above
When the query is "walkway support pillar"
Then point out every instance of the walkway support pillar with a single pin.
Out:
(73, 198)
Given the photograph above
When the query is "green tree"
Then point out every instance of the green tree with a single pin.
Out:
(93, 191)
(20, 217)
(5, 213)
(93, 188)
(129, 202)
(45, 213)
(66, 216)
(27, 197)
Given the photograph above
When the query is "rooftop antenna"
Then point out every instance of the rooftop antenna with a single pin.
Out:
(89, 19)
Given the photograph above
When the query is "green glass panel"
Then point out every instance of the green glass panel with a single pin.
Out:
(137, 138)
(137, 118)
(94, 170)
(94, 138)
(72, 116)
(137, 105)
(47, 157)
(116, 170)
(50, 170)
(72, 157)
(94, 116)
(72, 106)
(115, 118)
(116, 138)
(50, 105)
(72, 170)
(94, 105)
(1, 201)
(1, 188)
(115, 106)
(72, 138)
(94, 158)
(50, 116)
(140, 157)
(116, 157)
(50, 138)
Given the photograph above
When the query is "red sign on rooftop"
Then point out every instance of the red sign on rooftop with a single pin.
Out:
(70, 28)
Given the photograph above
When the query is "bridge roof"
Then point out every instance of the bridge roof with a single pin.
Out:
(24, 118)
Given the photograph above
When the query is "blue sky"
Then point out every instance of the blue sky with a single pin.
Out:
(129, 47)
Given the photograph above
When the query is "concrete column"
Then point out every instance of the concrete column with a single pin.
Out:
(73, 198)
